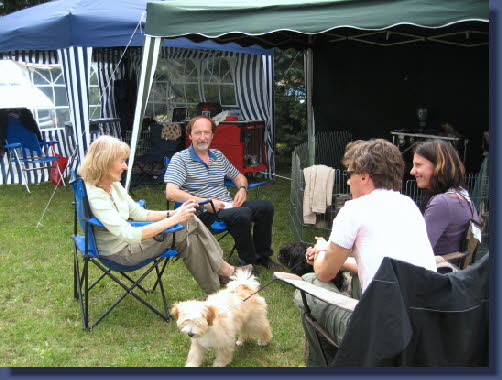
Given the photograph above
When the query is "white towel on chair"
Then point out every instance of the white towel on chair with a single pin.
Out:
(319, 180)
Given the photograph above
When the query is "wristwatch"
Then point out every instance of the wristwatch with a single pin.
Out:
(244, 187)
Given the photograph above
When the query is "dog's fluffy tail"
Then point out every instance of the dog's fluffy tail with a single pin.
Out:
(243, 280)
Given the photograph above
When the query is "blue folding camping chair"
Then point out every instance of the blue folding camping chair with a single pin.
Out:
(24, 149)
(85, 248)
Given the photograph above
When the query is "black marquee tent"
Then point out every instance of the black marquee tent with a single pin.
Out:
(369, 63)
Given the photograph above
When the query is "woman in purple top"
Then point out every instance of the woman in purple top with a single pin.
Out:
(438, 169)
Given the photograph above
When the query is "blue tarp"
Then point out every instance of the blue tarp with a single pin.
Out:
(89, 23)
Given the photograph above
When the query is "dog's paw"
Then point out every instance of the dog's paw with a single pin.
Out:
(219, 364)
(191, 365)
(261, 343)
(239, 342)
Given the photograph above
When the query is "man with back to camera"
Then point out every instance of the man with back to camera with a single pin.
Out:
(199, 172)
(378, 222)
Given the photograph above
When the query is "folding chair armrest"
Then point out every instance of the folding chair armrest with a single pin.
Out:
(316, 291)
(97, 223)
(94, 221)
(256, 184)
(13, 145)
(48, 142)
(250, 186)
(174, 228)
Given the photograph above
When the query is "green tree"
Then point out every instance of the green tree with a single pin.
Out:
(9, 6)
(290, 107)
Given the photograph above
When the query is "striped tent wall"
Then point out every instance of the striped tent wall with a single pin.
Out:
(75, 63)
(268, 100)
(253, 78)
(254, 84)
(37, 57)
(63, 146)
(111, 67)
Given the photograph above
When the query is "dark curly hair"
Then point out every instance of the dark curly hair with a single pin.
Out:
(449, 171)
(379, 158)
(193, 120)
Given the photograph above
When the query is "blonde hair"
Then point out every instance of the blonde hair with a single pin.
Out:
(98, 160)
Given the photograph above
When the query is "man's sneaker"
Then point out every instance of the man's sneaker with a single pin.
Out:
(268, 263)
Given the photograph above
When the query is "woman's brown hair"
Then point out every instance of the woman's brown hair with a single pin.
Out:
(379, 158)
(449, 171)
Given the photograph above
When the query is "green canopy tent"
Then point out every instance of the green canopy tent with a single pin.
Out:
(302, 24)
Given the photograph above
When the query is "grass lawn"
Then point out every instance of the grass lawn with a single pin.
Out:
(41, 325)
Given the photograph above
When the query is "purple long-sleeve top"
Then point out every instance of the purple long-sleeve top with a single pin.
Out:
(447, 218)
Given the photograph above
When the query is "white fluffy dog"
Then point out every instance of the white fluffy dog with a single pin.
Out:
(223, 321)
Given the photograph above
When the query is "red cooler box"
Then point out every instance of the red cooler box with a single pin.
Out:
(242, 142)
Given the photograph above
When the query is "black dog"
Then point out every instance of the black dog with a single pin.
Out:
(292, 256)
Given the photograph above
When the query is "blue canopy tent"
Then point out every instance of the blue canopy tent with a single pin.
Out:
(74, 33)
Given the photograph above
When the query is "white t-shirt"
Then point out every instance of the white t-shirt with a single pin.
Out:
(382, 224)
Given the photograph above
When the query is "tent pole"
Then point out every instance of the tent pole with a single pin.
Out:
(308, 67)
(149, 60)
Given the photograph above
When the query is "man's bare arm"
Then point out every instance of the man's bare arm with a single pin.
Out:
(242, 184)
(175, 194)
(328, 262)
(240, 180)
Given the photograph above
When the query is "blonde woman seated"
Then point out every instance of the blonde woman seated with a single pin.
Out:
(109, 202)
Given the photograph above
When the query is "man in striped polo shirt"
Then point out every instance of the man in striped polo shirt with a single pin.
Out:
(199, 172)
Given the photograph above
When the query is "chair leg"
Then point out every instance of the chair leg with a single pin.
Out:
(223, 236)
(166, 260)
(319, 330)
(82, 289)
(23, 171)
(22, 166)
(25, 180)
(146, 291)
(80, 281)
(8, 171)
(99, 279)
(75, 274)
(86, 294)
(129, 290)
(162, 292)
